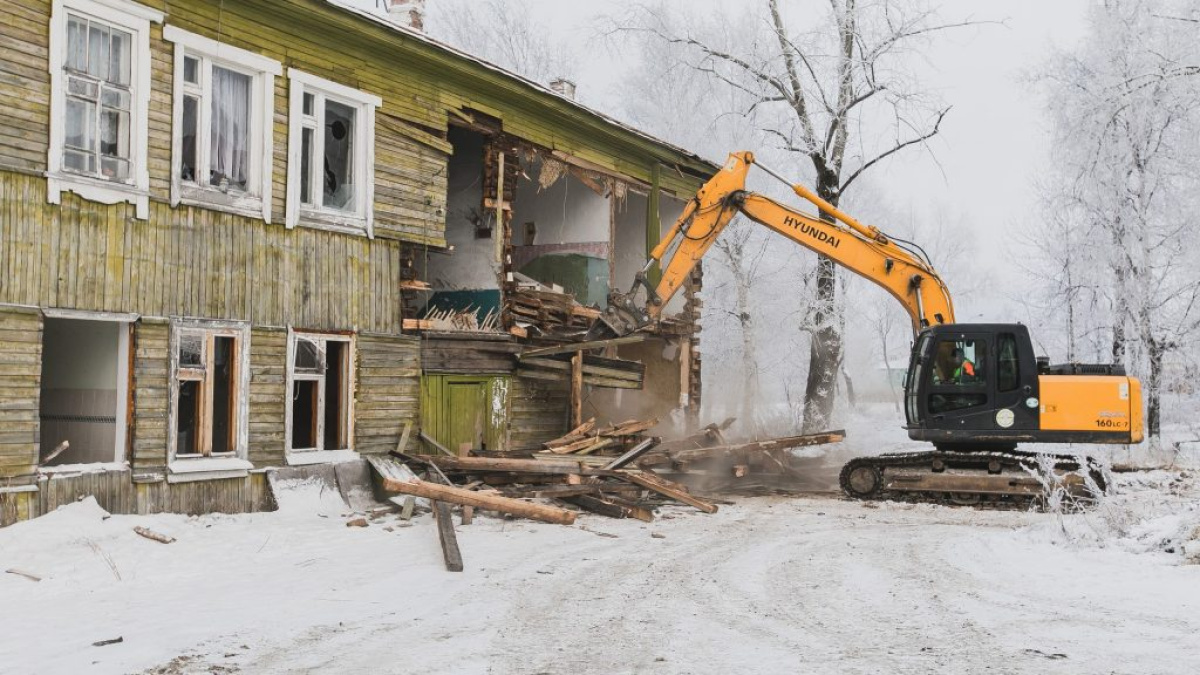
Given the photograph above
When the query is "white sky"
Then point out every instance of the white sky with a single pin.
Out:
(991, 145)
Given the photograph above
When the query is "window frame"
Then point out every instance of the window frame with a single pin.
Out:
(136, 19)
(262, 72)
(318, 453)
(177, 373)
(361, 221)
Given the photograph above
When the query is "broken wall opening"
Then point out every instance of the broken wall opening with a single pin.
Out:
(561, 228)
(466, 279)
(84, 390)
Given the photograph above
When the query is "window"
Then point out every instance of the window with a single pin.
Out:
(1008, 370)
(99, 101)
(331, 155)
(210, 364)
(959, 363)
(321, 386)
(221, 143)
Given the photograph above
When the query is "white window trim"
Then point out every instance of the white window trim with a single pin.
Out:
(135, 18)
(364, 152)
(319, 455)
(263, 70)
(186, 469)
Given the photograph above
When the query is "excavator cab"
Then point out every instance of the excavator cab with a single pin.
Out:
(964, 379)
(980, 387)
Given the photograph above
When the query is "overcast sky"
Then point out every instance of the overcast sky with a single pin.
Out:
(990, 147)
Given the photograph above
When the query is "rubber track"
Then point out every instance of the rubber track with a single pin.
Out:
(978, 460)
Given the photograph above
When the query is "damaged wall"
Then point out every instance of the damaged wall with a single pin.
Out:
(560, 229)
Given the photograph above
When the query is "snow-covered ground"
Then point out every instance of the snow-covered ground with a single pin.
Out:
(767, 585)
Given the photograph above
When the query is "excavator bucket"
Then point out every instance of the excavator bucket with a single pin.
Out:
(622, 317)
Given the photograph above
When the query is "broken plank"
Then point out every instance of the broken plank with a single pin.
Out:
(455, 495)
(406, 511)
(151, 534)
(598, 506)
(634, 452)
(635, 510)
(449, 538)
(654, 482)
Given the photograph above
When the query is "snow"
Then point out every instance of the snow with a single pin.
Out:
(766, 585)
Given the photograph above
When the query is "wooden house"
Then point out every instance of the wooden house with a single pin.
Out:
(217, 215)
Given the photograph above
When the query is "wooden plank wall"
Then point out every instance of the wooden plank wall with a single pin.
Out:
(388, 391)
(21, 377)
(150, 387)
(268, 392)
(469, 354)
(190, 262)
(115, 492)
(538, 412)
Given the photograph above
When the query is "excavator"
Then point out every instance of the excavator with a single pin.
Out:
(973, 390)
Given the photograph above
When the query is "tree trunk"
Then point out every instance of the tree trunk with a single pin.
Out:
(825, 348)
(1154, 391)
(749, 353)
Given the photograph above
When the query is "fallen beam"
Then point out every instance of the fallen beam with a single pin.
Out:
(634, 452)
(449, 538)
(654, 482)
(455, 495)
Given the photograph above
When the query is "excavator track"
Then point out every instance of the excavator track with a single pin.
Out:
(992, 479)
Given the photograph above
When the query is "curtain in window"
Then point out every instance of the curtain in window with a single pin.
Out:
(230, 138)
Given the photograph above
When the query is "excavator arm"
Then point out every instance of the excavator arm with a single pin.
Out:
(900, 269)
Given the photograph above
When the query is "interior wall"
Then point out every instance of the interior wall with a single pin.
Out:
(471, 265)
(570, 246)
(79, 397)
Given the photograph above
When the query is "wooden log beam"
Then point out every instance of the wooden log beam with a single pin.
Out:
(599, 506)
(449, 538)
(455, 495)
(654, 482)
(582, 346)
(577, 389)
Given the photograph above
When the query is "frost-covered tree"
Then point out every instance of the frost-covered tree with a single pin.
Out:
(1125, 107)
(825, 83)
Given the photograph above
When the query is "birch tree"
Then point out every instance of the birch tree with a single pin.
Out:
(828, 87)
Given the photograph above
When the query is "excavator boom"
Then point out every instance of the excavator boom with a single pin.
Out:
(902, 271)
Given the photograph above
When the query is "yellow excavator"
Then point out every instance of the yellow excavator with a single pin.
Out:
(975, 391)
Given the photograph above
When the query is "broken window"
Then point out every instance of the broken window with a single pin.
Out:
(223, 106)
(330, 179)
(320, 377)
(99, 99)
(208, 391)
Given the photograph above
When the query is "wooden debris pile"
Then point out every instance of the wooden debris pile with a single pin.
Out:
(549, 312)
(615, 471)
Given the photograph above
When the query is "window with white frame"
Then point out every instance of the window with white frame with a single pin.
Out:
(99, 100)
(221, 142)
(321, 386)
(210, 376)
(331, 155)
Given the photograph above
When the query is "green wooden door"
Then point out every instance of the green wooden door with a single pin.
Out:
(463, 412)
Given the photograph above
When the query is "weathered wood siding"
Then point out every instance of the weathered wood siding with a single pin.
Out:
(115, 492)
(150, 395)
(468, 354)
(420, 85)
(190, 262)
(268, 396)
(388, 391)
(538, 412)
(20, 393)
